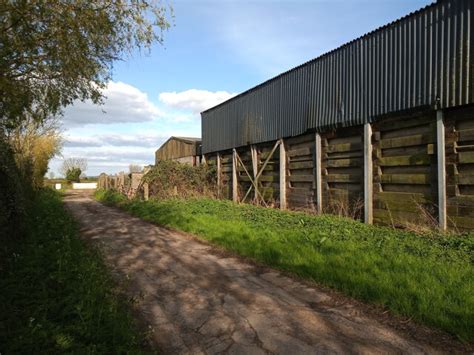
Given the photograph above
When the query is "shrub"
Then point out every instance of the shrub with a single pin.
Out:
(170, 178)
(73, 174)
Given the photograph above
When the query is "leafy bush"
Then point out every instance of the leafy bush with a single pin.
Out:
(170, 178)
(73, 174)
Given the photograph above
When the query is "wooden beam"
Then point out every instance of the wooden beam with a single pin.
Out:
(282, 175)
(262, 169)
(368, 175)
(146, 191)
(219, 174)
(317, 173)
(258, 193)
(235, 190)
(253, 153)
(441, 170)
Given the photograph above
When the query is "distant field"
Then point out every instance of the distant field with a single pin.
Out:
(427, 277)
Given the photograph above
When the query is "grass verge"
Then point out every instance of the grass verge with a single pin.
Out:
(56, 294)
(428, 278)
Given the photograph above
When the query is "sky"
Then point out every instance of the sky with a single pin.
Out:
(215, 50)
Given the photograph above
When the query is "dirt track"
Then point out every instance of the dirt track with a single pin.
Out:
(198, 300)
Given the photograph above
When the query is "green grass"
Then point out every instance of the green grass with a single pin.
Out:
(56, 294)
(428, 277)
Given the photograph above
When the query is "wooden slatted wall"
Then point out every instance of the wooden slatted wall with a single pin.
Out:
(244, 180)
(226, 162)
(300, 155)
(269, 181)
(342, 164)
(460, 168)
(405, 170)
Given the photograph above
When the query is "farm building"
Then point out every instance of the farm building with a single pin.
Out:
(381, 128)
(183, 149)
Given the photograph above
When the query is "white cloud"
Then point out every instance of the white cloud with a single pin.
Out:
(123, 103)
(194, 100)
(116, 140)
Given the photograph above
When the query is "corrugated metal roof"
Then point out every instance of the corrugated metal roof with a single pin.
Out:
(422, 59)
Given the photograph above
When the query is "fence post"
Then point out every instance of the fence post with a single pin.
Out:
(440, 143)
(253, 154)
(146, 191)
(219, 174)
(282, 175)
(317, 173)
(368, 175)
(235, 190)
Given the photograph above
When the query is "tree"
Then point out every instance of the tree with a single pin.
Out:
(73, 175)
(55, 52)
(72, 168)
(34, 144)
(51, 175)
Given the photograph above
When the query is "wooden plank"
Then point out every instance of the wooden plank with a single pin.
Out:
(402, 206)
(352, 138)
(462, 222)
(408, 122)
(342, 155)
(467, 135)
(406, 196)
(464, 147)
(283, 174)
(462, 200)
(415, 179)
(343, 195)
(336, 163)
(466, 157)
(465, 179)
(440, 135)
(344, 178)
(301, 178)
(343, 147)
(417, 159)
(308, 164)
(395, 217)
(267, 178)
(418, 139)
(297, 152)
(306, 138)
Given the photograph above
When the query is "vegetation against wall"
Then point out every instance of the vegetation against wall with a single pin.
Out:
(424, 277)
(57, 295)
(170, 178)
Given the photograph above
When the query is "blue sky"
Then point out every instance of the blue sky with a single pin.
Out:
(216, 49)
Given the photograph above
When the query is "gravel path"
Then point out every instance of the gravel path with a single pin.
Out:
(196, 299)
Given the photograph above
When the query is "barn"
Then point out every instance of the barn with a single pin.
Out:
(381, 128)
(183, 149)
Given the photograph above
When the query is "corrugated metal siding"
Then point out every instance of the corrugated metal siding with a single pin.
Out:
(423, 59)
